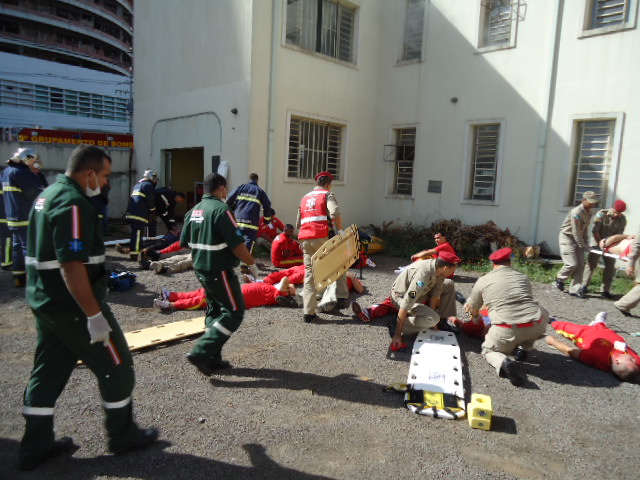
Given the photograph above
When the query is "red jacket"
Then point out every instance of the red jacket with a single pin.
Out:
(269, 231)
(314, 221)
(286, 252)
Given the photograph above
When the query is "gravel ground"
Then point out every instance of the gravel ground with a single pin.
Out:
(306, 400)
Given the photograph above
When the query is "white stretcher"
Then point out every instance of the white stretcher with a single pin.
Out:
(607, 254)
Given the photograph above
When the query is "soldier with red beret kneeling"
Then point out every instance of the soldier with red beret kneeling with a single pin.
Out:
(517, 320)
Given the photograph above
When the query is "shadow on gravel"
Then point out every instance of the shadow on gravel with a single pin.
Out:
(151, 463)
(558, 368)
(342, 387)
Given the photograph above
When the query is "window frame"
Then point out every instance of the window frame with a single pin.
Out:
(483, 19)
(344, 135)
(587, 30)
(469, 161)
(392, 163)
(616, 149)
(353, 62)
(402, 59)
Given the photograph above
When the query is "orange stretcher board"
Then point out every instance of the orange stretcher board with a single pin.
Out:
(161, 334)
(335, 257)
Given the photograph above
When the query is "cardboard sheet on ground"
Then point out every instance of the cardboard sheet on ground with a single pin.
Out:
(168, 332)
(335, 257)
(436, 369)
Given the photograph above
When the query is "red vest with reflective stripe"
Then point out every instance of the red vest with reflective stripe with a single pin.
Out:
(313, 215)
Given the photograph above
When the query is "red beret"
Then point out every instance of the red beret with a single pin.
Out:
(501, 256)
(619, 206)
(449, 257)
(323, 174)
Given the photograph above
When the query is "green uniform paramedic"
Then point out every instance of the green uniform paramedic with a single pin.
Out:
(66, 289)
(217, 245)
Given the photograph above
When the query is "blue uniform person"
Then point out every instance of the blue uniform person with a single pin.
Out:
(67, 286)
(6, 239)
(246, 202)
(166, 200)
(20, 187)
(142, 205)
(210, 230)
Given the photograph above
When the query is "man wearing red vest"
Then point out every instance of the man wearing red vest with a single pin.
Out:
(318, 214)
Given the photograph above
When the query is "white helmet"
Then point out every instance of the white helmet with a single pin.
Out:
(150, 175)
(24, 155)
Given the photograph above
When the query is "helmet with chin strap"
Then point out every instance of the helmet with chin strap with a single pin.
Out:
(24, 155)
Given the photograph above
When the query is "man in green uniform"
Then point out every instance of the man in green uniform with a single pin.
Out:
(217, 246)
(607, 222)
(66, 290)
(574, 243)
(421, 281)
(517, 320)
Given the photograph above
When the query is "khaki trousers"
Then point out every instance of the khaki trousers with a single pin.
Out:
(632, 298)
(573, 258)
(309, 298)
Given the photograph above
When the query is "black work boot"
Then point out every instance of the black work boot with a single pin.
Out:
(508, 370)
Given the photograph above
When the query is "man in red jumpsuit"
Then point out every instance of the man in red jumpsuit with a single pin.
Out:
(285, 251)
(255, 295)
(597, 346)
(267, 231)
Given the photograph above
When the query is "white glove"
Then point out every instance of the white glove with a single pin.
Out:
(99, 328)
(341, 233)
(254, 270)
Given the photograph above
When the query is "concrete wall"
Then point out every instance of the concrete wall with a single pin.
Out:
(192, 67)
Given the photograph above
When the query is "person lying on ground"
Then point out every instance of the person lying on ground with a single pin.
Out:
(598, 346)
(152, 259)
(256, 294)
(167, 239)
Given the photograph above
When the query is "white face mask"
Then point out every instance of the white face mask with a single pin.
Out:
(90, 192)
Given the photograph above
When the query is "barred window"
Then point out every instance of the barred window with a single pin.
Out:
(322, 26)
(591, 164)
(413, 30)
(498, 19)
(314, 146)
(405, 150)
(606, 13)
(484, 162)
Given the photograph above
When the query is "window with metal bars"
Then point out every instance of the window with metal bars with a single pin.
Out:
(591, 164)
(314, 146)
(413, 27)
(498, 19)
(608, 13)
(405, 151)
(322, 26)
(484, 162)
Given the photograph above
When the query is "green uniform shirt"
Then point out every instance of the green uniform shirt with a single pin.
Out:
(508, 296)
(210, 230)
(63, 227)
(415, 283)
(604, 225)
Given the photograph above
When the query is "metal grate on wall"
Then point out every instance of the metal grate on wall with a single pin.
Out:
(314, 146)
(607, 13)
(57, 100)
(592, 162)
(485, 161)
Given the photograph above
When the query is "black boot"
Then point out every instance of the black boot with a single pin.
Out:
(509, 370)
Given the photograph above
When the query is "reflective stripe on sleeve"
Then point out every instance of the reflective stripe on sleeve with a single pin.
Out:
(202, 246)
(9, 188)
(247, 225)
(114, 405)
(140, 194)
(37, 411)
(249, 199)
(313, 219)
(13, 223)
(135, 217)
(55, 264)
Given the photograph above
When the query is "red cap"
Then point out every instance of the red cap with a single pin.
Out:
(619, 206)
(323, 174)
(501, 256)
(449, 257)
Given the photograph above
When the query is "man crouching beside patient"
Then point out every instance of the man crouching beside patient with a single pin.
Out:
(517, 320)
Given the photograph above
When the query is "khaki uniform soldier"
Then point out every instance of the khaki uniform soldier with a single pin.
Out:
(632, 298)
(317, 215)
(217, 246)
(574, 243)
(66, 290)
(607, 222)
(517, 320)
(418, 282)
